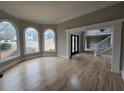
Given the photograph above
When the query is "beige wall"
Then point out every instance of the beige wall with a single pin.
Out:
(106, 14)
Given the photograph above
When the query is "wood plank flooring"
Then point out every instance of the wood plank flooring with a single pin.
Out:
(82, 72)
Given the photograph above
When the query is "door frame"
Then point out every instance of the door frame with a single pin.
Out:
(75, 52)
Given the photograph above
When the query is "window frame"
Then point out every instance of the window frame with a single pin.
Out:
(18, 40)
(24, 42)
(44, 41)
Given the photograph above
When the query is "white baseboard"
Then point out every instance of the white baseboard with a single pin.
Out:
(63, 56)
(110, 56)
(4, 68)
(31, 57)
(122, 74)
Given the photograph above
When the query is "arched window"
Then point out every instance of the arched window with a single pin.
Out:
(31, 41)
(49, 40)
(8, 41)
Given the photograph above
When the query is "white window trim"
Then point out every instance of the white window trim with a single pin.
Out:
(18, 40)
(24, 43)
(44, 41)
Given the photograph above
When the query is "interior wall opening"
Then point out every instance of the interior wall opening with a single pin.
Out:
(97, 42)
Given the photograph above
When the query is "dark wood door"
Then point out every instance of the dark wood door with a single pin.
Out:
(74, 44)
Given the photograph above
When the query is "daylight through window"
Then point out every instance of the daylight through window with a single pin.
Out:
(31, 41)
(8, 41)
(49, 42)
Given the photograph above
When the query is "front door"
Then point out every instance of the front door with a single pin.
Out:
(74, 44)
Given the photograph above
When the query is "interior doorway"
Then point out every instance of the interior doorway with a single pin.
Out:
(116, 40)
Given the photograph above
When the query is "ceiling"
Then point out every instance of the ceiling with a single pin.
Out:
(51, 12)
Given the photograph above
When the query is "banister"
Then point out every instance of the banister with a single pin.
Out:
(103, 45)
(104, 39)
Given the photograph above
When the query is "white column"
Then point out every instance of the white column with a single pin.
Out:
(116, 48)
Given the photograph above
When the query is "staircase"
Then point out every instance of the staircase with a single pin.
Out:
(104, 47)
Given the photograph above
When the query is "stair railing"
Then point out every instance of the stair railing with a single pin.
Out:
(103, 45)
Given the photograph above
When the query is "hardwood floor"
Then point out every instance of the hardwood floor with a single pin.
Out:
(82, 72)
